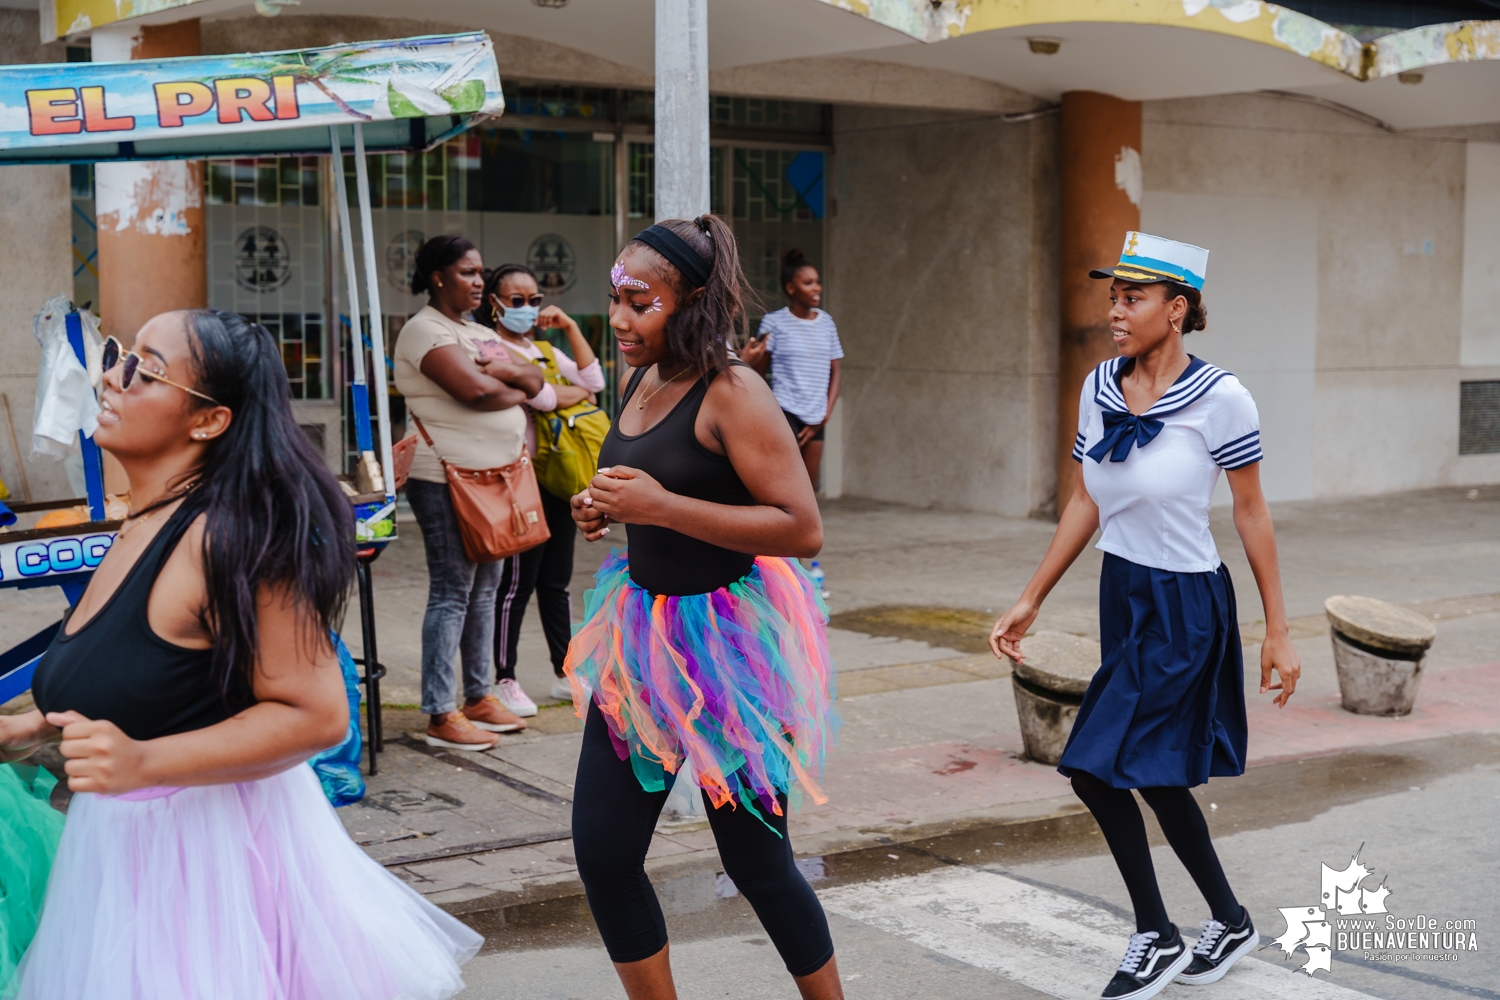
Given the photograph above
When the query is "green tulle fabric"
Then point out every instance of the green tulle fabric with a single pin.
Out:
(29, 831)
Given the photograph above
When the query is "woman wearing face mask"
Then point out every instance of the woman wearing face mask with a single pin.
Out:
(512, 308)
(1166, 709)
(705, 642)
(467, 390)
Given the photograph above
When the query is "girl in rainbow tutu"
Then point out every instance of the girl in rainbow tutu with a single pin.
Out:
(705, 642)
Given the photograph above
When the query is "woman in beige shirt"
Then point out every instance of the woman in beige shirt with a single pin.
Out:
(467, 390)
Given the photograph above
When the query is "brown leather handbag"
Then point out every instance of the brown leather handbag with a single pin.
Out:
(499, 510)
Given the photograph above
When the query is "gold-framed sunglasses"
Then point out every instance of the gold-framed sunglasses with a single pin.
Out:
(115, 353)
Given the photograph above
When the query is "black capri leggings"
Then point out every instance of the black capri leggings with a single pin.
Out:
(613, 820)
(1182, 821)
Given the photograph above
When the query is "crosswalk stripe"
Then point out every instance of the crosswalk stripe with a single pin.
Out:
(1039, 938)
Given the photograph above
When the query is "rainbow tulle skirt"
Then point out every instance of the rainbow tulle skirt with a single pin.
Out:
(738, 681)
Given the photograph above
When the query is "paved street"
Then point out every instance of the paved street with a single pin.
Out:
(1000, 886)
(989, 913)
(949, 864)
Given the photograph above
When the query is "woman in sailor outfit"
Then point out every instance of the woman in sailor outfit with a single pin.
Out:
(1166, 710)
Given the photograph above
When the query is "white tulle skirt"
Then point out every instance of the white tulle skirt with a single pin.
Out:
(251, 891)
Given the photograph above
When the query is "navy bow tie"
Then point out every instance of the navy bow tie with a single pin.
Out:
(1121, 430)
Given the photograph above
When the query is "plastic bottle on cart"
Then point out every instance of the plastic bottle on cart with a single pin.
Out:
(816, 573)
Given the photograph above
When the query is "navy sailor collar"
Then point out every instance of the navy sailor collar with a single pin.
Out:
(1197, 379)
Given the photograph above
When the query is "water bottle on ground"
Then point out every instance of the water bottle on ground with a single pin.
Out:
(816, 573)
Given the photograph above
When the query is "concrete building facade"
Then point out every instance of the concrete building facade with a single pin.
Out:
(915, 150)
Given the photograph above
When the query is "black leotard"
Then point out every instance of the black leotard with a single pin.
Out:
(116, 668)
(663, 561)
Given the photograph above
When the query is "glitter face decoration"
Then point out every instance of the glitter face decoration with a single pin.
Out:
(618, 279)
(656, 304)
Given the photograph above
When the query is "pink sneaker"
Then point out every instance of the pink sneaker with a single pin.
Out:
(513, 697)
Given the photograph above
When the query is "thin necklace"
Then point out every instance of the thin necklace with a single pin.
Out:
(646, 399)
(130, 520)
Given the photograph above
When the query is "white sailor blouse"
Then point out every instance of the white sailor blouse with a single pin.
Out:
(1153, 475)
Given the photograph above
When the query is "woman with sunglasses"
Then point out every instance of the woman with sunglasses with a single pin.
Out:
(512, 308)
(190, 684)
(467, 390)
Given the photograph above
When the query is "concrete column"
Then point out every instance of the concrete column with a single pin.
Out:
(152, 245)
(1101, 201)
(682, 158)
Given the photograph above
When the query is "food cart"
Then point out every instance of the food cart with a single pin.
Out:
(405, 95)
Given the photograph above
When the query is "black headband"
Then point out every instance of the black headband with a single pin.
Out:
(679, 253)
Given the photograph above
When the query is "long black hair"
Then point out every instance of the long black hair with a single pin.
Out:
(435, 255)
(275, 515)
(485, 314)
(699, 332)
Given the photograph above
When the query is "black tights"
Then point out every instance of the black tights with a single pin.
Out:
(613, 820)
(1182, 821)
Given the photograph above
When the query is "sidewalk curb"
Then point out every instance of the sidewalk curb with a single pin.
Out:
(548, 901)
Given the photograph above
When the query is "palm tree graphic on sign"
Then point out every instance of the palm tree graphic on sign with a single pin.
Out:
(448, 94)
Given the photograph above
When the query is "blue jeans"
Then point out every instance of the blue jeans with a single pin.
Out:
(460, 603)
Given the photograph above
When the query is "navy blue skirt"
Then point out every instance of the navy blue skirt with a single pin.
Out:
(1167, 707)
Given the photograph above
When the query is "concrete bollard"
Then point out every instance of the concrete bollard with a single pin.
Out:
(1049, 687)
(1378, 650)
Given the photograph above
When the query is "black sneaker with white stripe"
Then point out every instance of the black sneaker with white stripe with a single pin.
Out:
(1219, 946)
(1149, 965)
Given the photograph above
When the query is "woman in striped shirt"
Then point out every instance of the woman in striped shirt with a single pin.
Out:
(800, 345)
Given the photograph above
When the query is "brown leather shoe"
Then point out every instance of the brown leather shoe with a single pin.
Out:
(490, 715)
(458, 733)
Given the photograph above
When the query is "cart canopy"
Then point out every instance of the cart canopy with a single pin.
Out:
(407, 94)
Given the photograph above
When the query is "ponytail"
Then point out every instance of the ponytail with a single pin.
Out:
(708, 318)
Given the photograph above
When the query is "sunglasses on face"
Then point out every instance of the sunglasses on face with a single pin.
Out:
(517, 301)
(130, 362)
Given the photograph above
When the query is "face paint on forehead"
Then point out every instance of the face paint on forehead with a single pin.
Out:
(618, 279)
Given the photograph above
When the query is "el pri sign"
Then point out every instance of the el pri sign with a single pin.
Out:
(222, 96)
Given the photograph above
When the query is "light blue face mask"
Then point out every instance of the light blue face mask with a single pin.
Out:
(519, 319)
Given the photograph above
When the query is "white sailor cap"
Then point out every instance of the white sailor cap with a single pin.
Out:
(1147, 258)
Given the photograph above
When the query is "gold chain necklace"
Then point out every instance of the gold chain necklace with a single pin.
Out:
(646, 399)
(129, 522)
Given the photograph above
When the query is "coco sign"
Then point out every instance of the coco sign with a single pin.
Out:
(53, 556)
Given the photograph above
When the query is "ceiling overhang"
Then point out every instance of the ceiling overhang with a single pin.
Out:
(1445, 74)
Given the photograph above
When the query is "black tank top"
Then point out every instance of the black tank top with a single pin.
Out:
(116, 668)
(663, 561)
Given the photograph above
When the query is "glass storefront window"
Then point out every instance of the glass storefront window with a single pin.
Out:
(265, 257)
(528, 170)
(544, 100)
(286, 180)
(437, 179)
(761, 114)
(641, 180)
(778, 204)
